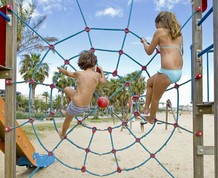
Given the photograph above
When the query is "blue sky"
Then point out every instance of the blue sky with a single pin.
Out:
(64, 19)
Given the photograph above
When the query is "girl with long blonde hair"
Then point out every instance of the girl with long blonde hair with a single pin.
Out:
(168, 38)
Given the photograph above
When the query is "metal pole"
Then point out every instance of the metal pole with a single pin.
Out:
(10, 96)
(215, 41)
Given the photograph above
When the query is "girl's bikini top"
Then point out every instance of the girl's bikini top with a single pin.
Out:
(173, 46)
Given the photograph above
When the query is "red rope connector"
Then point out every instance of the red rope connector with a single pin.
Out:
(198, 76)
(52, 86)
(136, 113)
(65, 137)
(144, 67)
(8, 128)
(120, 52)
(9, 7)
(115, 73)
(8, 82)
(109, 129)
(52, 114)
(87, 29)
(157, 51)
(126, 30)
(83, 169)
(31, 120)
(124, 123)
(31, 81)
(127, 84)
(113, 151)
(51, 47)
(138, 140)
(66, 62)
(98, 70)
(199, 133)
(152, 155)
(50, 153)
(79, 122)
(175, 125)
(119, 169)
(94, 129)
(155, 120)
(198, 9)
(87, 150)
(135, 97)
(92, 50)
(176, 86)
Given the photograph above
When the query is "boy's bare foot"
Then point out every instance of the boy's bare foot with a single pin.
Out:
(63, 112)
(149, 119)
(60, 134)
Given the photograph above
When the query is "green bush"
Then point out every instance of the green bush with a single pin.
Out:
(37, 115)
(22, 115)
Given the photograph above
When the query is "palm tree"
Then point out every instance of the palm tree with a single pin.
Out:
(120, 94)
(27, 40)
(138, 84)
(46, 95)
(63, 81)
(28, 66)
(2, 3)
(57, 102)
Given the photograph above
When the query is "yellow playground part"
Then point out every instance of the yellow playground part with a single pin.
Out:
(24, 148)
(25, 152)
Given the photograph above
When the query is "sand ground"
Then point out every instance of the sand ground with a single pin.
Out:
(176, 156)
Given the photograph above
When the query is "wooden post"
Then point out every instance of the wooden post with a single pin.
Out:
(215, 42)
(10, 96)
(198, 92)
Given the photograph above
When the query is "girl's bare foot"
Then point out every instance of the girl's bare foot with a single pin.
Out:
(149, 119)
(60, 134)
(147, 111)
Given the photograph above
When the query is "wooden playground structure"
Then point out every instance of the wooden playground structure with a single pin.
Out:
(24, 148)
(8, 71)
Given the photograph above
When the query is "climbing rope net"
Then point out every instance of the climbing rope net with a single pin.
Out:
(114, 150)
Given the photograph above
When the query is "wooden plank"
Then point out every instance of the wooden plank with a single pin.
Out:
(205, 150)
(215, 42)
(10, 93)
(205, 108)
(198, 160)
(4, 74)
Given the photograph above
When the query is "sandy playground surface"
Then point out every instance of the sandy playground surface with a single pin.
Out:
(176, 156)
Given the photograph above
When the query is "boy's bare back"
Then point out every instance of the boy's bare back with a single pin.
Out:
(86, 84)
(87, 80)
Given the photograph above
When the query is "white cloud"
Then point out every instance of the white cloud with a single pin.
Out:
(51, 5)
(169, 4)
(110, 11)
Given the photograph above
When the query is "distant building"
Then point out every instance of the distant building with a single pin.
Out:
(185, 107)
